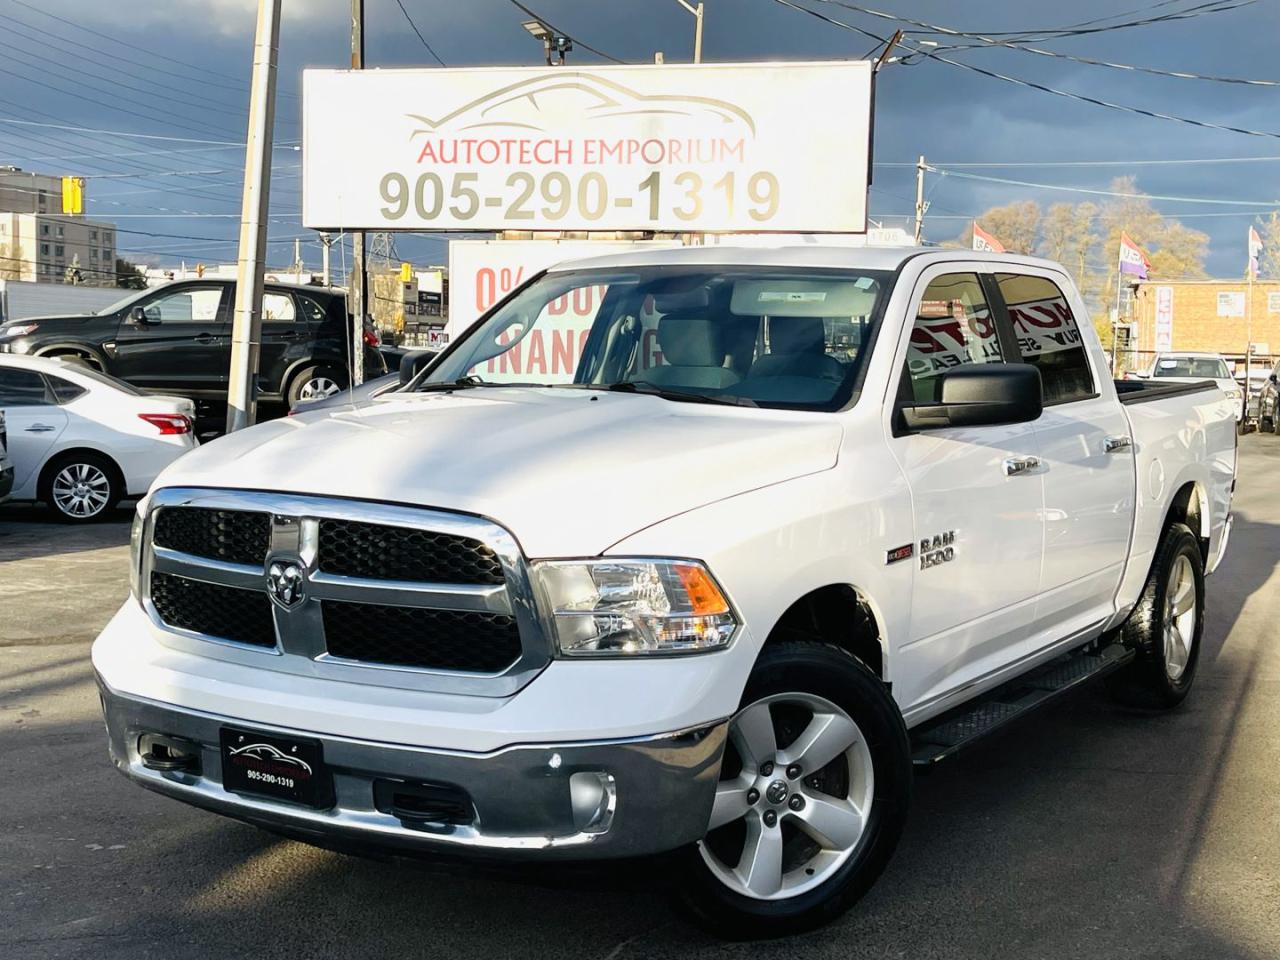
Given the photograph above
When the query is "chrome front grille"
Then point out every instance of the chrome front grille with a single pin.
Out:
(366, 592)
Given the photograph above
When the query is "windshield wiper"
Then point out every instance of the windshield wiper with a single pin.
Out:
(463, 383)
(653, 389)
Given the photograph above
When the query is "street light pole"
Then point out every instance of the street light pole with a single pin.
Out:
(246, 329)
(358, 282)
(697, 29)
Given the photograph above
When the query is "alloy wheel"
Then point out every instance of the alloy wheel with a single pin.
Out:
(794, 797)
(1179, 617)
(81, 490)
(318, 388)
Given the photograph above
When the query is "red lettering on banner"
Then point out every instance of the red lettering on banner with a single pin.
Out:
(537, 355)
(562, 357)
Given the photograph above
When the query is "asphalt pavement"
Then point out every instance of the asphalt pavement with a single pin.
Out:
(1092, 831)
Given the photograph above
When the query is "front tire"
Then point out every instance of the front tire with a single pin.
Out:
(1165, 627)
(812, 797)
(81, 487)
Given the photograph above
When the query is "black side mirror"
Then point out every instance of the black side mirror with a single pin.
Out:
(1272, 378)
(979, 395)
(138, 317)
(411, 364)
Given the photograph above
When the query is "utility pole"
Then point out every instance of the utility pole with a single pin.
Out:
(246, 330)
(358, 283)
(921, 206)
(697, 11)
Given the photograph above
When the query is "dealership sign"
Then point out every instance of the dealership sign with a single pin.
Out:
(691, 148)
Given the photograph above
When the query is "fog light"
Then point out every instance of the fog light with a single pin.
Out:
(593, 796)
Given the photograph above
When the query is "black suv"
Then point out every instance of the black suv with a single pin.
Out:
(176, 339)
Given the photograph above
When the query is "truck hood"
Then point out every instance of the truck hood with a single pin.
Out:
(568, 472)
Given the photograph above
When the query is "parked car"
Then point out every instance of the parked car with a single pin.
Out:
(411, 362)
(1191, 367)
(176, 339)
(1269, 401)
(713, 591)
(80, 440)
(6, 465)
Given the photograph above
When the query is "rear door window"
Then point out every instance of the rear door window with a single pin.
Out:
(1048, 336)
(22, 388)
(954, 327)
(278, 308)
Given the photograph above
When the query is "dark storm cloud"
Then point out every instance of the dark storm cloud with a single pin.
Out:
(948, 114)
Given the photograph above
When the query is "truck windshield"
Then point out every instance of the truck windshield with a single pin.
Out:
(769, 337)
(1206, 368)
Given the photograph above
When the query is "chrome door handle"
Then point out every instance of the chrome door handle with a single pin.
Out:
(1016, 465)
(40, 428)
(1112, 444)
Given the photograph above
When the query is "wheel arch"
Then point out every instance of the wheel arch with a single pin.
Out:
(45, 481)
(839, 614)
(1190, 505)
(58, 349)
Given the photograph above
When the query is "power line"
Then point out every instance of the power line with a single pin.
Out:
(101, 103)
(1087, 163)
(173, 74)
(289, 145)
(1100, 193)
(1043, 88)
(1077, 30)
(168, 95)
(554, 29)
(1124, 108)
(151, 53)
(431, 51)
(1012, 45)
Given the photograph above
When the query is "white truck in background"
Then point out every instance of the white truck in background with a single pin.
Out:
(789, 522)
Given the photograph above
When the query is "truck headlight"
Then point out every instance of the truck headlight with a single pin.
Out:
(633, 607)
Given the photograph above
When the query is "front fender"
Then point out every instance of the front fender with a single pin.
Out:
(771, 546)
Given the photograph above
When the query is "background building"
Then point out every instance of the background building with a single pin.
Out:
(1214, 316)
(40, 243)
(37, 246)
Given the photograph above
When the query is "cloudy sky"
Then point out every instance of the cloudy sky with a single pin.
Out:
(179, 68)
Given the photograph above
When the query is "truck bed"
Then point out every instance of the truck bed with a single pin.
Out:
(1141, 391)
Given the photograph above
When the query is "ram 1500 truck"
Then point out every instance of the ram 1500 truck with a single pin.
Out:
(797, 520)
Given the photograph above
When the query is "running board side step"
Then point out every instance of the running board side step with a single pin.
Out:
(956, 729)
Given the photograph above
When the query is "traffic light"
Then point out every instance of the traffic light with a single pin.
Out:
(406, 272)
(73, 195)
(199, 269)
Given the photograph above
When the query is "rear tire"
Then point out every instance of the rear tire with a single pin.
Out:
(1165, 627)
(812, 797)
(81, 487)
(316, 383)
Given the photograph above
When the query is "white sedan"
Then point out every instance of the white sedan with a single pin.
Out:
(80, 440)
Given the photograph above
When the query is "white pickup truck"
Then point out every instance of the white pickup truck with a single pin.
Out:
(796, 520)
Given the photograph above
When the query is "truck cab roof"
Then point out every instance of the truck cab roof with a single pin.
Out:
(827, 256)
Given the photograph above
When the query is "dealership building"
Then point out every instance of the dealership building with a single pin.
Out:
(1212, 316)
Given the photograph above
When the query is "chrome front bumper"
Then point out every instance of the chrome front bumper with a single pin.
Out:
(534, 802)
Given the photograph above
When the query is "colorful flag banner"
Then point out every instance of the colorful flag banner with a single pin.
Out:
(1255, 249)
(1132, 259)
(985, 241)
